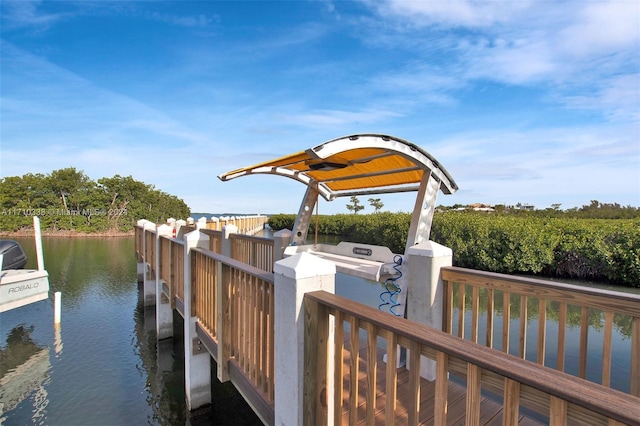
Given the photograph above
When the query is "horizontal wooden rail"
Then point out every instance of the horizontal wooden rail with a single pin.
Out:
(479, 295)
(559, 396)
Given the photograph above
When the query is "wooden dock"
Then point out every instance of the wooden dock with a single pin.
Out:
(270, 333)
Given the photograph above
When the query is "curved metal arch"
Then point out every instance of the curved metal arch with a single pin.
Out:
(288, 173)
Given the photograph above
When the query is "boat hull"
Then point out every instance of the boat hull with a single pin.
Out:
(19, 287)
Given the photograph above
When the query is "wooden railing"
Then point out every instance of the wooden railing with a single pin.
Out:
(204, 282)
(245, 224)
(243, 316)
(150, 248)
(215, 239)
(172, 267)
(166, 265)
(254, 251)
(563, 398)
(234, 305)
(477, 302)
(139, 238)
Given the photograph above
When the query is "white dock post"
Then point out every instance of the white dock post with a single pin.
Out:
(424, 302)
(201, 223)
(38, 238)
(57, 302)
(197, 360)
(164, 312)
(295, 276)
(180, 225)
(227, 230)
(281, 240)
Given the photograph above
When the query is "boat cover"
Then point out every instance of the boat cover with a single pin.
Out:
(356, 165)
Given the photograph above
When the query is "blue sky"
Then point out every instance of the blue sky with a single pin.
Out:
(534, 102)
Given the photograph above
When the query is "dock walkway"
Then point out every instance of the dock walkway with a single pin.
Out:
(490, 408)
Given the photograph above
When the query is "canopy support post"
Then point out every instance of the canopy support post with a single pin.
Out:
(305, 214)
(423, 210)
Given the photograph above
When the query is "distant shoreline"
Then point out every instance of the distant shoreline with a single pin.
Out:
(67, 233)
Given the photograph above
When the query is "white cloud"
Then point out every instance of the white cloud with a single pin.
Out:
(583, 54)
(54, 102)
(519, 61)
(600, 28)
(199, 20)
(618, 97)
(467, 13)
(25, 13)
(323, 118)
(417, 83)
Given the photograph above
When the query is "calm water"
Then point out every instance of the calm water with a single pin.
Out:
(103, 366)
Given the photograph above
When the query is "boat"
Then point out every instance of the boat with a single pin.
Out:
(19, 286)
(13, 255)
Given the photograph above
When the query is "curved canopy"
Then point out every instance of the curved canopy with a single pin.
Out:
(356, 165)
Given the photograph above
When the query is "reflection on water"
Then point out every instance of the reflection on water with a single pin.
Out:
(24, 368)
(102, 365)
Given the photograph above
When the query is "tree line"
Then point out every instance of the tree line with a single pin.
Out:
(68, 200)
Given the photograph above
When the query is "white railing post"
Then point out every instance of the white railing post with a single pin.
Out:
(164, 312)
(281, 240)
(227, 230)
(201, 223)
(424, 300)
(293, 277)
(180, 225)
(197, 365)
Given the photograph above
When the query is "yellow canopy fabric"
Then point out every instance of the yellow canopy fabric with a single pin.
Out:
(356, 165)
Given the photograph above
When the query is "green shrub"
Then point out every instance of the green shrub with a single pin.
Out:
(606, 250)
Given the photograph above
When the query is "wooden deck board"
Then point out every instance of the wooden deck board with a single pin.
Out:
(490, 410)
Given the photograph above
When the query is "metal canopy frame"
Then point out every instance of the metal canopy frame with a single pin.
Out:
(363, 164)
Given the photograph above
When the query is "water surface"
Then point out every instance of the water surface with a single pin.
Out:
(102, 366)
